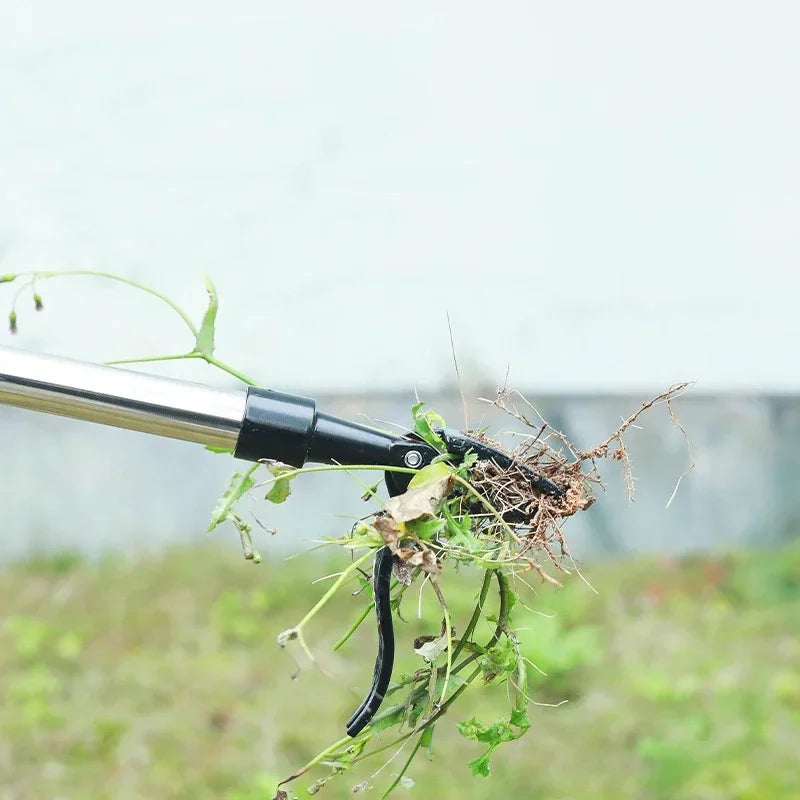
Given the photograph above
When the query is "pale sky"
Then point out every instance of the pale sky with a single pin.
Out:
(605, 197)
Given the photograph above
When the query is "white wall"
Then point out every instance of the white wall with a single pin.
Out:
(603, 195)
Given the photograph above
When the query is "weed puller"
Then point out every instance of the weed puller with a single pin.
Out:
(256, 424)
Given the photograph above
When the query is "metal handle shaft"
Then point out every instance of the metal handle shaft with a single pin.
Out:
(121, 398)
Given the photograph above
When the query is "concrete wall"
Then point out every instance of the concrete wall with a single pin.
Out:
(67, 485)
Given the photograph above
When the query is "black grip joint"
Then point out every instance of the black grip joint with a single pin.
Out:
(288, 428)
(276, 426)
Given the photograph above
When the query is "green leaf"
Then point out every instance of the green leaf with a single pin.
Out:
(204, 343)
(431, 474)
(414, 711)
(519, 717)
(460, 533)
(511, 601)
(8, 277)
(469, 460)
(453, 683)
(493, 736)
(426, 741)
(424, 424)
(469, 729)
(392, 716)
(281, 489)
(499, 660)
(239, 485)
(480, 766)
(212, 449)
(458, 524)
(426, 529)
(465, 541)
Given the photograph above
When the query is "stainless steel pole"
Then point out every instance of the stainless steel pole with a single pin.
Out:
(121, 398)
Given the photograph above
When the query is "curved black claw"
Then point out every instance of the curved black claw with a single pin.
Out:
(381, 581)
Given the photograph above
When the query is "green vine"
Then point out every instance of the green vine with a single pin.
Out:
(203, 347)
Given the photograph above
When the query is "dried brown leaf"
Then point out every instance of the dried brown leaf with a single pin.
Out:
(424, 559)
(419, 501)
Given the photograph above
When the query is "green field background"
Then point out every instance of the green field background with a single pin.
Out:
(160, 678)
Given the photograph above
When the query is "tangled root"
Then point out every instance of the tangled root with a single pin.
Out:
(537, 518)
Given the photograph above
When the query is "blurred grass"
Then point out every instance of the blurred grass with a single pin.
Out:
(160, 678)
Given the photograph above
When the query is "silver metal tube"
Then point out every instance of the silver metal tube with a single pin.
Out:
(121, 398)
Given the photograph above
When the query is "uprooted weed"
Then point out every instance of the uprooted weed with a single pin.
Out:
(479, 510)
(474, 513)
(456, 511)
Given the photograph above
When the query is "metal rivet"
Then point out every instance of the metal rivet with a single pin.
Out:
(413, 458)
